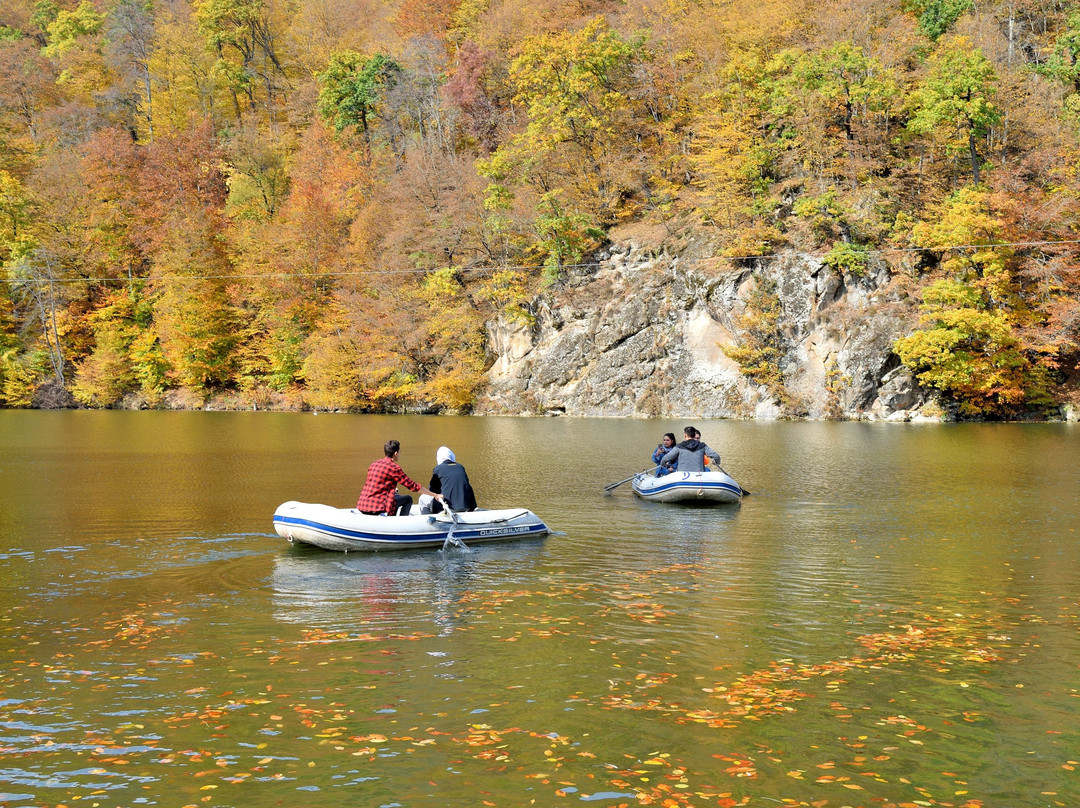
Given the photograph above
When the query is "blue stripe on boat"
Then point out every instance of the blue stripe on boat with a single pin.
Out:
(407, 538)
(673, 486)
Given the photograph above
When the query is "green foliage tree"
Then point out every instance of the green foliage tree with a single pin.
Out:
(841, 82)
(1063, 63)
(351, 88)
(937, 17)
(956, 100)
(245, 36)
(45, 12)
(562, 237)
(68, 26)
(75, 46)
(847, 258)
(826, 214)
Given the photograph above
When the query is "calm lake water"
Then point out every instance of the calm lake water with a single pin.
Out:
(892, 618)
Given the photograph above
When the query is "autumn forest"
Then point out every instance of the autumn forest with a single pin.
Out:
(321, 203)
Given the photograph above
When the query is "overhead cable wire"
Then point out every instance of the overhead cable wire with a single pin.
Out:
(519, 267)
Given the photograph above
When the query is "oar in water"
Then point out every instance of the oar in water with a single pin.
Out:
(745, 493)
(450, 540)
(612, 486)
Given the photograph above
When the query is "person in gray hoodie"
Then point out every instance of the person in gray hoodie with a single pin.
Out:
(691, 453)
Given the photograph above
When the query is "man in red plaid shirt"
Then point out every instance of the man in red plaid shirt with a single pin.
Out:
(379, 495)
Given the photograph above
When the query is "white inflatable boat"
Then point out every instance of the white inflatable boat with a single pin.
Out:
(349, 530)
(688, 486)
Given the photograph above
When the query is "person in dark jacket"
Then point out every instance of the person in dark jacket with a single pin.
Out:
(450, 479)
(691, 453)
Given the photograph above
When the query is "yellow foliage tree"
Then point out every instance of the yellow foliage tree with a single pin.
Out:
(574, 86)
(970, 345)
(104, 376)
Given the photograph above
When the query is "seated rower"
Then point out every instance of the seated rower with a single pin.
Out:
(691, 453)
(450, 479)
(379, 495)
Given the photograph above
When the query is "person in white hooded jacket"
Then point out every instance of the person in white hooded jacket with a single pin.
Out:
(450, 479)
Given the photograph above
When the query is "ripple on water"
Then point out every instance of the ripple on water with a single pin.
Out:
(181, 565)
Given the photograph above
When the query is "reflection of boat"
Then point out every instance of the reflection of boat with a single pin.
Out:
(399, 593)
(688, 486)
(348, 529)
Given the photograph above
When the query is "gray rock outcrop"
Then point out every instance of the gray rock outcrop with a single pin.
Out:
(641, 334)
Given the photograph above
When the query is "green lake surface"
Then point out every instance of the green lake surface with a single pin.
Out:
(891, 618)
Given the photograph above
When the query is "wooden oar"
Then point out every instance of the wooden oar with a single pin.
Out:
(612, 486)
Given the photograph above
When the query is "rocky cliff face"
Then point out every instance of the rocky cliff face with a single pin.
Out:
(642, 334)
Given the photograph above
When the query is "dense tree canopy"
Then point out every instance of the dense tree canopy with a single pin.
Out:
(323, 201)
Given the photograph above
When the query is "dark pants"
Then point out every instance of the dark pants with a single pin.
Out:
(402, 504)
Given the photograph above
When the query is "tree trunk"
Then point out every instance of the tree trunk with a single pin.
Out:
(974, 154)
